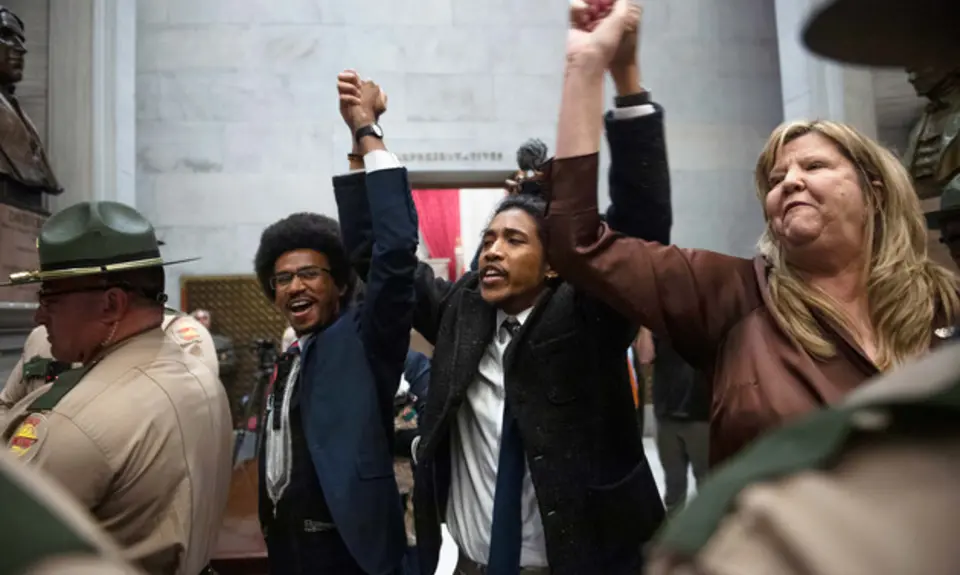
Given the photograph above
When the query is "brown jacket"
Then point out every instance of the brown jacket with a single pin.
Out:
(714, 309)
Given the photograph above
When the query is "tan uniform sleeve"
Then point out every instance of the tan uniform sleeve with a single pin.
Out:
(887, 509)
(83, 566)
(195, 340)
(72, 457)
(13, 390)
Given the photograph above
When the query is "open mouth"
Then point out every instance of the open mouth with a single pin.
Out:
(492, 276)
(300, 307)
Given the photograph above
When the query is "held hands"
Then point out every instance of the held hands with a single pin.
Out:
(601, 32)
(361, 101)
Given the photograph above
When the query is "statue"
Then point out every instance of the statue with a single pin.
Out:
(933, 152)
(920, 36)
(25, 173)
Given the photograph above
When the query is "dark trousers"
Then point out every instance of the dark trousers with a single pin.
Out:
(296, 552)
(682, 445)
(411, 562)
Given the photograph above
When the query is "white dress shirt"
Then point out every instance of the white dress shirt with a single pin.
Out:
(475, 454)
(475, 439)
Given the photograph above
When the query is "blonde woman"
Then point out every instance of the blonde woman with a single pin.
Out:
(842, 289)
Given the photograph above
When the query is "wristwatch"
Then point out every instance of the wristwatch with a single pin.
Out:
(630, 100)
(369, 130)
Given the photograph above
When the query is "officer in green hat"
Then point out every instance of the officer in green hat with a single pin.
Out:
(141, 432)
(44, 531)
(37, 366)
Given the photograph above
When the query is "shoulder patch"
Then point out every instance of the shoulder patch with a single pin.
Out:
(187, 334)
(29, 436)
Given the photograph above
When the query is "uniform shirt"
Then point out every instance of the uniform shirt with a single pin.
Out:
(144, 441)
(187, 331)
(876, 495)
(17, 386)
(192, 337)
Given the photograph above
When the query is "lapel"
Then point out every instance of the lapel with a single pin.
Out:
(478, 320)
(529, 330)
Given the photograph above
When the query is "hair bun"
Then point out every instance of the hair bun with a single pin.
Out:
(532, 155)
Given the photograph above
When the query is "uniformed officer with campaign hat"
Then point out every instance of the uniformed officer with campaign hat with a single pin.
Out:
(141, 433)
(37, 366)
(870, 485)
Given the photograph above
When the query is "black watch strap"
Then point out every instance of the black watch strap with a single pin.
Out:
(369, 130)
(631, 100)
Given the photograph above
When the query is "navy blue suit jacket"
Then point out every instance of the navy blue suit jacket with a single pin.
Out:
(349, 374)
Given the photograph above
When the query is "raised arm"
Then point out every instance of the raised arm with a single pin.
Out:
(356, 228)
(639, 175)
(387, 310)
(691, 296)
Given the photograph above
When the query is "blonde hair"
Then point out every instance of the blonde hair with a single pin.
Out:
(906, 290)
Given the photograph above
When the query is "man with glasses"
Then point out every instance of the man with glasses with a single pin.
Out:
(328, 497)
(140, 433)
(38, 367)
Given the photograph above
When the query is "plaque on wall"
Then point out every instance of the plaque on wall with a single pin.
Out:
(19, 230)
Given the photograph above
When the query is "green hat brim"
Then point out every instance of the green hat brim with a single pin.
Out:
(37, 276)
(883, 33)
(934, 218)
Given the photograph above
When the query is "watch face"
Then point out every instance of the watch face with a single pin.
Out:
(377, 131)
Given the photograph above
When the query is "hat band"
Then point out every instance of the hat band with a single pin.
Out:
(34, 276)
(100, 262)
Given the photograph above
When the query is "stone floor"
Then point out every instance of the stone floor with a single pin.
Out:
(448, 554)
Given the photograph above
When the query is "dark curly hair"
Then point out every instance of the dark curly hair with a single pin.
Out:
(535, 206)
(303, 231)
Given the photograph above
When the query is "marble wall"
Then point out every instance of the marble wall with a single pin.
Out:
(237, 122)
(814, 87)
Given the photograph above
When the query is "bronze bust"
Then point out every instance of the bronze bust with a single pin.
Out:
(933, 152)
(25, 173)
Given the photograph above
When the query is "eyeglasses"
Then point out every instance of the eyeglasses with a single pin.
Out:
(46, 296)
(309, 273)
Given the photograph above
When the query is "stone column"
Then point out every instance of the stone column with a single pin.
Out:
(92, 108)
(816, 88)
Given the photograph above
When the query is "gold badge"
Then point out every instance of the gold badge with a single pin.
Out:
(29, 436)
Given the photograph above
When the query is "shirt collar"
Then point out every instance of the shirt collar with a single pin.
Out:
(520, 317)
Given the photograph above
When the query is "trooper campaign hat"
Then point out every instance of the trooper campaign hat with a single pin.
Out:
(949, 207)
(886, 33)
(93, 238)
